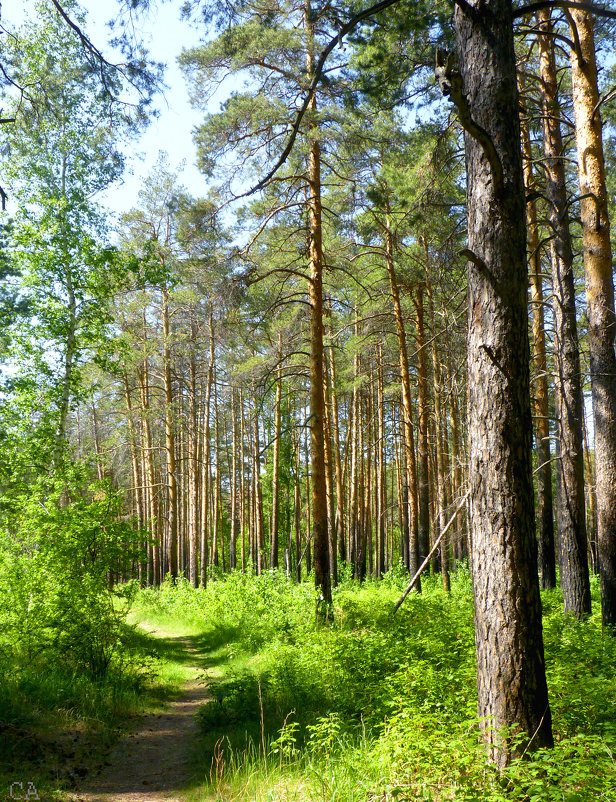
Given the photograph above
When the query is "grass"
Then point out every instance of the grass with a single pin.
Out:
(369, 707)
(55, 723)
(375, 707)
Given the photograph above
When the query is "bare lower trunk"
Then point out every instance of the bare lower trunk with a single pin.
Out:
(276, 462)
(315, 298)
(422, 440)
(539, 394)
(234, 484)
(193, 464)
(205, 467)
(172, 490)
(570, 513)
(381, 479)
(512, 689)
(599, 296)
(407, 408)
(150, 473)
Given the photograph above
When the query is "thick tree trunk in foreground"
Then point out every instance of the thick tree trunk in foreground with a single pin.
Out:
(570, 510)
(599, 297)
(512, 689)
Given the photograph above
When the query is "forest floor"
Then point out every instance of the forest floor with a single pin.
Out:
(156, 757)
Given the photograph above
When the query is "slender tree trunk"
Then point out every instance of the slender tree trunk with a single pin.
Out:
(216, 483)
(339, 479)
(440, 449)
(70, 350)
(366, 559)
(591, 518)
(206, 468)
(97, 447)
(259, 534)
(456, 458)
(315, 298)
(138, 489)
(381, 480)
(193, 461)
(68, 369)
(308, 507)
(599, 295)
(512, 689)
(360, 550)
(276, 461)
(354, 526)
(435, 562)
(150, 472)
(329, 480)
(539, 394)
(422, 440)
(338, 473)
(234, 487)
(172, 488)
(243, 506)
(407, 408)
(570, 509)
(297, 509)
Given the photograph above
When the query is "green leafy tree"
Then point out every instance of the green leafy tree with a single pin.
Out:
(63, 151)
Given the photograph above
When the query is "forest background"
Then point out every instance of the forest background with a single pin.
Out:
(288, 384)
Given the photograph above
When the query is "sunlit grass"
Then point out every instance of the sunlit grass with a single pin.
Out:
(375, 707)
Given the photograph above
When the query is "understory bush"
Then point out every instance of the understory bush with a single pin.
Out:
(62, 620)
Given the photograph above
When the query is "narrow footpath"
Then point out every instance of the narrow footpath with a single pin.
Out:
(156, 759)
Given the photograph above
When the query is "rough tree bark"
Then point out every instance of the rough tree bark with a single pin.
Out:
(540, 397)
(599, 295)
(512, 689)
(315, 297)
(570, 508)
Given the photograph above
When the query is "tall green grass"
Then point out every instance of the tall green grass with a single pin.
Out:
(376, 706)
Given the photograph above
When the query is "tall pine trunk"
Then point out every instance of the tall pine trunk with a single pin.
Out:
(570, 509)
(540, 399)
(276, 461)
(407, 409)
(599, 296)
(315, 298)
(172, 487)
(511, 682)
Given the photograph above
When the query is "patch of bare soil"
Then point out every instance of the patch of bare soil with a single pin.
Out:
(155, 759)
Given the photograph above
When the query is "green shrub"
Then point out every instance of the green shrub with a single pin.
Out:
(59, 547)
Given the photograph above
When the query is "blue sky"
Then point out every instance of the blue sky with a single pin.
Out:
(164, 35)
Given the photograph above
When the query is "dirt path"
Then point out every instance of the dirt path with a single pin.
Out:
(155, 759)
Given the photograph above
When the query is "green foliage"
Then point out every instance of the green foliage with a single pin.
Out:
(62, 541)
(377, 706)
